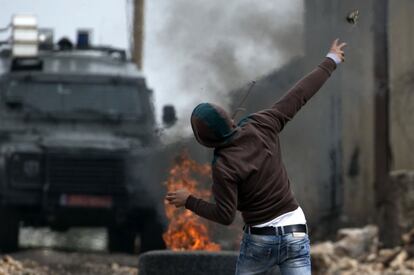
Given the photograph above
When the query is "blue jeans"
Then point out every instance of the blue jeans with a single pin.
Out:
(265, 254)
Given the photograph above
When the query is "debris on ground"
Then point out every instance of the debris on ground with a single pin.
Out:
(10, 266)
(357, 251)
(52, 262)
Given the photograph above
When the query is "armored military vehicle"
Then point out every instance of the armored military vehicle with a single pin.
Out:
(78, 140)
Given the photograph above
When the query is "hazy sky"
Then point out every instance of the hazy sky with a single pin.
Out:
(195, 50)
(107, 18)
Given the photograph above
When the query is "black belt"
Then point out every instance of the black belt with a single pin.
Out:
(280, 230)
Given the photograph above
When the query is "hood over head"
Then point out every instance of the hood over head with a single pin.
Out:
(212, 126)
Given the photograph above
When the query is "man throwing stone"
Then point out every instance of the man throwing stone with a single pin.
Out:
(249, 176)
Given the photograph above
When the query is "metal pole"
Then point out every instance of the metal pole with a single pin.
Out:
(138, 30)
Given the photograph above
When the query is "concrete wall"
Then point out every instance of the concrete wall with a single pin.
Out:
(354, 81)
(401, 46)
(326, 113)
(352, 98)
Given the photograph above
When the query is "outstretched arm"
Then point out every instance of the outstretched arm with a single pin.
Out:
(287, 107)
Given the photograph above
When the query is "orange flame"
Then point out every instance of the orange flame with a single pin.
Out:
(186, 230)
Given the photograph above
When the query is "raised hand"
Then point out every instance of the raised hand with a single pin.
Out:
(337, 49)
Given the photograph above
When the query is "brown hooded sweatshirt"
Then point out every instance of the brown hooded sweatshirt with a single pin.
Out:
(248, 172)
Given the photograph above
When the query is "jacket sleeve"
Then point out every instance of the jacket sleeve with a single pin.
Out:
(287, 107)
(224, 191)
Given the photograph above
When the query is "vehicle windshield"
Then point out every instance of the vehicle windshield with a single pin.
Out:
(76, 98)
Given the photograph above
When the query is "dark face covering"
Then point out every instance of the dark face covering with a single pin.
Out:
(211, 124)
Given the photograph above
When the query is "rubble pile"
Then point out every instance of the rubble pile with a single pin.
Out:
(357, 252)
(10, 266)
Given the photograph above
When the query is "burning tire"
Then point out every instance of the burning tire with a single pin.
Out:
(9, 231)
(187, 262)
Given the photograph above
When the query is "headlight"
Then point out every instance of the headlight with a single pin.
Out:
(25, 170)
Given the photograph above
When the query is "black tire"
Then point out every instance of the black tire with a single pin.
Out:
(122, 240)
(9, 231)
(151, 237)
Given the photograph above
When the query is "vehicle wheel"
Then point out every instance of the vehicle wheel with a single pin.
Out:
(121, 239)
(151, 237)
(9, 231)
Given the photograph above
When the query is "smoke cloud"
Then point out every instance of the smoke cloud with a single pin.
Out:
(198, 51)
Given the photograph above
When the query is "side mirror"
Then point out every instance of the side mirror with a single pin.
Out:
(169, 116)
